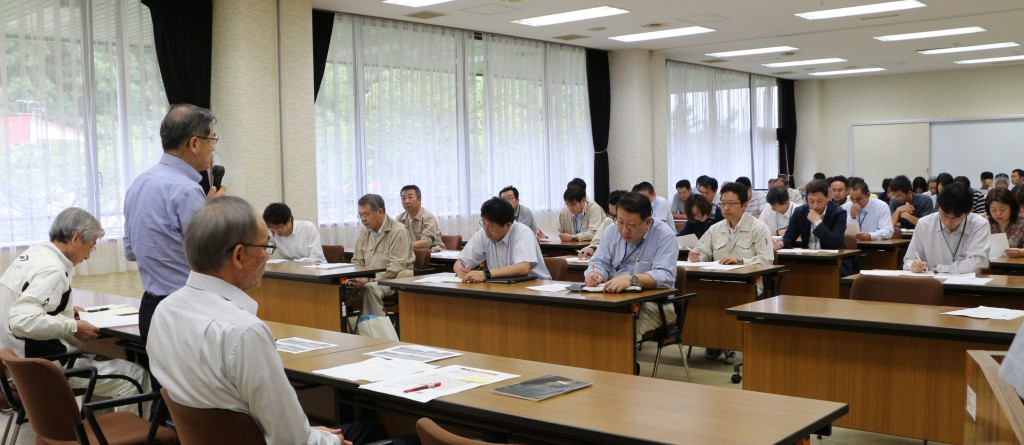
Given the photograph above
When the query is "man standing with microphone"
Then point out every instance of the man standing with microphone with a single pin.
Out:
(160, 203)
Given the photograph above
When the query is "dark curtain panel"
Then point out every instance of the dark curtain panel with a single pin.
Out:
(599, 91)
(183, 36)
(323, 24)
(786, 132)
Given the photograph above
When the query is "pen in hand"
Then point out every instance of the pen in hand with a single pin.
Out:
(422, 387)
(97, 309)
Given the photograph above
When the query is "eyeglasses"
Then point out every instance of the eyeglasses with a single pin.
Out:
(630, 226)
(92, 249)
(731, 203)
(489, 227)
(214, 139)
(270, 247)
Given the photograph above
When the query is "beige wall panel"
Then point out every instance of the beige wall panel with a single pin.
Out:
(299, 154)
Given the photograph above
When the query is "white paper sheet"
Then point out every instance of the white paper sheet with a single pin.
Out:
(985, 312)
(723, 267)
(453, 379)
(897, 273)
(327, 266)
(448, 254)
(577, 261)
(296, 345)
(968, 281)
(276, 261)
(956, 276)
(852, 227)
(106, 319)
(998, 246)
(802, 251)
(696, 263)
(446, 277)
(687, 241)
(415, 353)
(376, 369)
(549, 288)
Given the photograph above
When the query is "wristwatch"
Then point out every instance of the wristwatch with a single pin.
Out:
(633, 280)
(487, 274)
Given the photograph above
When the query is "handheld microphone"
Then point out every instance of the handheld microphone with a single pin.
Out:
(218, 175)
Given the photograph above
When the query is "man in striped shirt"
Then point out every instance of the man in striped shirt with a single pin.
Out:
(208, 348)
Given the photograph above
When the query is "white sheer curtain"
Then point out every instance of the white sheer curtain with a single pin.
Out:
(460, 114)
(711, 112)
(80, 106)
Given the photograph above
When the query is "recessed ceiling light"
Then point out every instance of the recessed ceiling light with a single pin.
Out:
(930, 34)
(861, 10)
(571, 16)
(804, 62)
(678, 32)
(854, 71)
(962, 49)
(415, 3)
(991, 60)
(748, 52)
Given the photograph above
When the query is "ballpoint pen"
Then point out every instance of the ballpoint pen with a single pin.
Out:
(97, 309)
(422, 387)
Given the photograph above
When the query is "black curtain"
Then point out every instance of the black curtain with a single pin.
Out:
(786, 133)
(183, 36)
(323, 24)
(599, 91)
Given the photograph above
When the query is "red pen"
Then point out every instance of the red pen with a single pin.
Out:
(422, 387)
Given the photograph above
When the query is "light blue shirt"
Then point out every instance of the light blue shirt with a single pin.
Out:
(655, 255)
(519, 245)
(875, 219)
(157, 208)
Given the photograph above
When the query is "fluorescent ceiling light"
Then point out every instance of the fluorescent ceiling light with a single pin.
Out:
(678, 32)
(748, 52)
(804, 62)
(836, 73)
(992, 60)
(861, 10)
(962, 49)
(930, 34)
(571, 16)
(415, 3)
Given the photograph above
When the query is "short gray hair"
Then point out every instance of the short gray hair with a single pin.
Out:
(72, 220)
(215, 230)
(373, 200)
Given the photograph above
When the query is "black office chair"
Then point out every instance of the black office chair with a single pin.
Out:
(671, 333)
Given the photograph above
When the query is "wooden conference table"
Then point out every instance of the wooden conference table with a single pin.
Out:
(316, 298)
(616, 409)
(900, 367)
(707, 324)
(587, 330)
(814, 273)
(559, 248)
(1003, 291)
(1007, 266)
(883, 254)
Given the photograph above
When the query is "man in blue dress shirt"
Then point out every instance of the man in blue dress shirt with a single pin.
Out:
(636, 251)
(160, 203)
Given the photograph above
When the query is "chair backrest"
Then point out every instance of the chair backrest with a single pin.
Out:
(8, 397)
(680, 305)
(335, 254)
(452, 242)
(851, 240)
(558, 267)
(431, 433)
(897, 289)
(198, 426)
(46, 395)
(422, 258)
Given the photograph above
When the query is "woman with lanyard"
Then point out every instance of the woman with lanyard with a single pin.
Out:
(739, 239)
(952, 240)
(1004, 215)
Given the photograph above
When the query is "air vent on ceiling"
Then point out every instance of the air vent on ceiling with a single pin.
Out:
(713, 61)
(425, 15)
(880, 16)
(568, 37)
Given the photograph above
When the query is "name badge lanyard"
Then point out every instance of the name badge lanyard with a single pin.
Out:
(952, 251)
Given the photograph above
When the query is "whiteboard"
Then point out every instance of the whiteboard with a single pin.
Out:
(970, 147)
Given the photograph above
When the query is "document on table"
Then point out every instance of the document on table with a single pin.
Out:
(446, 277)
(429, 385)
(449, 254)
(802, 251)
(375, 369)
(326, 266)
(415, 353)
(723, 267)
(549, 288)
(852, 227)
(687, 241)
(697, 263)
(114, 309)
(993, 313)
(572, 260)
(897, 273)
(296, 345)
(968, 281)
(110, 318)
(999, 245)
(276, 261)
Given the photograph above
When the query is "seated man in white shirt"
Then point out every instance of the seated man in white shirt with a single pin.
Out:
(509, 248)
(295, 240)
(39, 316)
(778, 212)
(755, 199)
(208, 348)
(659, 206)
(613, 206)
(952, 240)
(870, 214)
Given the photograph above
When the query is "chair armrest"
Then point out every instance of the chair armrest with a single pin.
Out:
(89, 410)
(678, 297)
(84, 372)
(67, 358)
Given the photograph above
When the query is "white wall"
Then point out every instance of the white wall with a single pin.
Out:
(638, 133)
(826, 108)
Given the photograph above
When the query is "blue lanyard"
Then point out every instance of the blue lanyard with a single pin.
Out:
(628, 253)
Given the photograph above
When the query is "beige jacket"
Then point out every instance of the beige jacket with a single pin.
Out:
(423, 227)
(392, 250)
(592, 217)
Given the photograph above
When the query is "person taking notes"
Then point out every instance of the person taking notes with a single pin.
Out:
(295, 240)
(580, 217)
(509, 248)
(953, 240)
(1004, 217)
